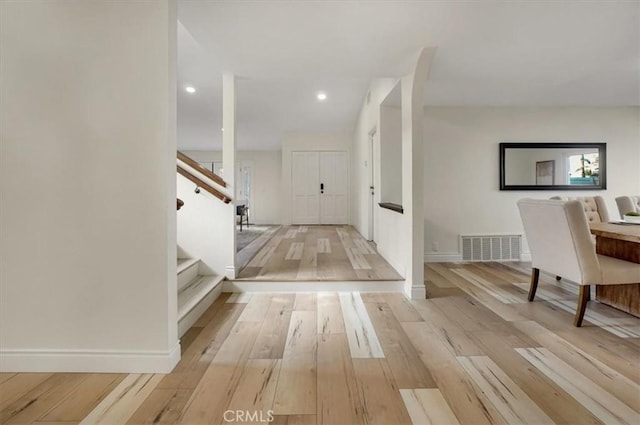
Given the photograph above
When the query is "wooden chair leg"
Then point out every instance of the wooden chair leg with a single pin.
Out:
(582, 304)
(535, 275)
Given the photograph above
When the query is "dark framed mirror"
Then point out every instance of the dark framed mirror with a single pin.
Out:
(553, 166)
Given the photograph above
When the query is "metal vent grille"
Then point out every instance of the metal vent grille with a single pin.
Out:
(491, 247)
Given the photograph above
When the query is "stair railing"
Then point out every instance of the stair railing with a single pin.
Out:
(202, 170)
(200, 183)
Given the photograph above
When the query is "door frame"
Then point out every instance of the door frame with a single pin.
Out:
(373, 184)
(240, 165)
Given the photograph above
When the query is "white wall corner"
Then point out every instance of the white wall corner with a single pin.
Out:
(172, 146)
(412, 222)
(525, 256)
(229, 121)
(89, 361)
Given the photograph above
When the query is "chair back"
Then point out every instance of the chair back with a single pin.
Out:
(559, 239)
(594, 207)
(627, 204)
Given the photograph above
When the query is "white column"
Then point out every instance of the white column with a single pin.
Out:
(228, 164)
(413, 171)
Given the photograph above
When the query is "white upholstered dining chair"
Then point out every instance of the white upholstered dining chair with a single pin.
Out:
(595, 207)
(560, 243)
(627, 204)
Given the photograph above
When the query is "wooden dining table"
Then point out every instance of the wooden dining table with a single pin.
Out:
(620, 241)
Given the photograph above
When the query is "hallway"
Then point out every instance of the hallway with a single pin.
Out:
(318, 253)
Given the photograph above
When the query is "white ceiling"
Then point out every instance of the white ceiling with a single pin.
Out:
(506, 53)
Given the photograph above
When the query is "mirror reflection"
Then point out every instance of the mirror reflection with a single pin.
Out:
(551, 166)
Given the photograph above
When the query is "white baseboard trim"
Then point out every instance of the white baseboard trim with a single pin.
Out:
(89, 361)
(525, 256)
(230, 272)
(442, 257)
(416, 292)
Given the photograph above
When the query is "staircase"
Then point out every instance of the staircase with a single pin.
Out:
(196, 292)
(198, 222)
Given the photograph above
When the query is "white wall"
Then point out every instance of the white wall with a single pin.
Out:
(87, 165)
(399, 236)
(305, 142)
(360, 172)
(266, 174)
(391, 154)
(519, 168)
(391, 243)
(200, 228)
(462, 193)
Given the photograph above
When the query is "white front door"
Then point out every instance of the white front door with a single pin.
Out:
(305, 185)
(319, 187)
(333, 188)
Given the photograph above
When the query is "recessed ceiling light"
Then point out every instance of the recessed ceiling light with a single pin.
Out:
(190, 89)
(321, 96)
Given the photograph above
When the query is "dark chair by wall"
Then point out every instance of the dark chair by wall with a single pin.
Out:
(242, 211)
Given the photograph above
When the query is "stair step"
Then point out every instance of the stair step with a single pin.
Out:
(187, 271)
(195, 299)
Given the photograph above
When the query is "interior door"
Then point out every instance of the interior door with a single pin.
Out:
(305, 187)
(333, 187)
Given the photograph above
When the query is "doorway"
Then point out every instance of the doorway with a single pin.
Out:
(244, 183)
(372, 183)
(319, 187)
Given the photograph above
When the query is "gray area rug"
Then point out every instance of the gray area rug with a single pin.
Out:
(249, 234)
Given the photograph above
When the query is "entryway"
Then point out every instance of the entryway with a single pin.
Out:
(318, 253)
(319, 184)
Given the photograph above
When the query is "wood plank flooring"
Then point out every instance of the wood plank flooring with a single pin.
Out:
(244, 255)
(317, 253)
(475, 352)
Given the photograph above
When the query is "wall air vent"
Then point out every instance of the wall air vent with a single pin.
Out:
(491, 247)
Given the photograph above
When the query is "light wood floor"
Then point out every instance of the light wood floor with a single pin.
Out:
(248, 252)
(474, 353)
(318, 253)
